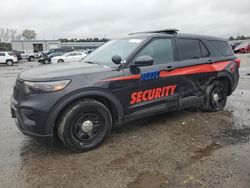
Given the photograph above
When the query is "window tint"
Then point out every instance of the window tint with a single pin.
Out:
(70, 54)
(223, 47)
(190, 48)
(2, 54)
(161, 50)
(204, 51)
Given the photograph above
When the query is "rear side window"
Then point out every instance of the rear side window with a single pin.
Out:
(223, 47)
(190, 48)
(2, 54)
(161, 50)
(204, 50)
(193, 49)
(11, 54)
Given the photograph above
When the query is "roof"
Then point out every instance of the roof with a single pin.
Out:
(171, 33)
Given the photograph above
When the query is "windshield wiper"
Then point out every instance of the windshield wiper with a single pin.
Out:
(90, 62)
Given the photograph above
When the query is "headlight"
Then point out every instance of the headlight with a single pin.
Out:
(45, 87)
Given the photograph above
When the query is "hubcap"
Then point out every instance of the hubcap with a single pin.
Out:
(87, 126)
(216, 97)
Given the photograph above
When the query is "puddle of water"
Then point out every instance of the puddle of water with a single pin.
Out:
(149, 180)
(205, 152)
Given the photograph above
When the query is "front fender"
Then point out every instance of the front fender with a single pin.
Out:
(76, 95)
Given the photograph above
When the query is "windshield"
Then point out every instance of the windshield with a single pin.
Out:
(103, 55)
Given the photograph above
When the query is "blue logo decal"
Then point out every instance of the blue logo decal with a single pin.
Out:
(150, 75)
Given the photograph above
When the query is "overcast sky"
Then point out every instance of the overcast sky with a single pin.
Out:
(53, 19)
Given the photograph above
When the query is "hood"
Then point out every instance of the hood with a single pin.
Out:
(60, 71)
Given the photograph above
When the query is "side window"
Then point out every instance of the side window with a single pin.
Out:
(223, 47)
(190, 48)
(78, 53)
(204, 50)
(161, 50)
(2, 54)
(70, 54)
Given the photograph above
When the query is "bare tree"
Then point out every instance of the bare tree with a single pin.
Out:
(13, 34)
(6, 35)
(29, 34)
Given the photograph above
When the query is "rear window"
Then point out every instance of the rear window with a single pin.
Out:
(11, 54)
(223, 47)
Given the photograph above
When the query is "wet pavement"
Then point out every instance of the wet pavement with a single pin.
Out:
(177, 149)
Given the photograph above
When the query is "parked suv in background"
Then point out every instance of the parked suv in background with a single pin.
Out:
(8, 58)
(30, 56)
(138, 76)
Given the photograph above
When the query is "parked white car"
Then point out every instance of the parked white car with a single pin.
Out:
(69, 57)
(8, 58)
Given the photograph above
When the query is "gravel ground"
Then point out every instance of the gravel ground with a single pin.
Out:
(177, 149)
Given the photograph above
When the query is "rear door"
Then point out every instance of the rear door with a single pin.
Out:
(2, 57)
(194, 56)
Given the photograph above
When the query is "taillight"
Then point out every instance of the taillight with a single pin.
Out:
(237, 61)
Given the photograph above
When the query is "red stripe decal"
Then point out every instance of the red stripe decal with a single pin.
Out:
(205, 68)
(219, 66)
(132, 77)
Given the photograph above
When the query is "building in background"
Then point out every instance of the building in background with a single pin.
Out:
(34, 45)
(45, 45)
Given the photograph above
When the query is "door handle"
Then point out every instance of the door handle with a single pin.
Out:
(169, 68)
(210, 61)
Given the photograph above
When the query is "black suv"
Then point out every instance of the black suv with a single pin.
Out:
(138, 76)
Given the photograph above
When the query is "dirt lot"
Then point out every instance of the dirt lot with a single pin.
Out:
(177, 149)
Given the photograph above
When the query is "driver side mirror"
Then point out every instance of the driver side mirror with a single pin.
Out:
(117, 59)
(142, 61)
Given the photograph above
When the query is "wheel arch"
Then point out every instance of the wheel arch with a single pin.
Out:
(227, 79)
(8, 60)
(106, 98)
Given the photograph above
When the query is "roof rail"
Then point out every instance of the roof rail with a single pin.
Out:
(167, 31)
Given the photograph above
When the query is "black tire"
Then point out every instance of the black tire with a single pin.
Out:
(60, 61)
(84, 125)
(46, 61)
(31, 58)
(215, 97)
(9, 62)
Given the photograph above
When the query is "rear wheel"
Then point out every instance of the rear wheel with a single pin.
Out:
(9, 62)
(31, 58)
(84, 125)
(215, 97)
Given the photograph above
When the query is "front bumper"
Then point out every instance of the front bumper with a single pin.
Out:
(26, 124)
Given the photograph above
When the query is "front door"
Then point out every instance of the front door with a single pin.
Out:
(149, 88)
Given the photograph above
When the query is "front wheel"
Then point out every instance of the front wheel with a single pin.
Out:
(46, 61)
(215, 97)
(84, 125)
